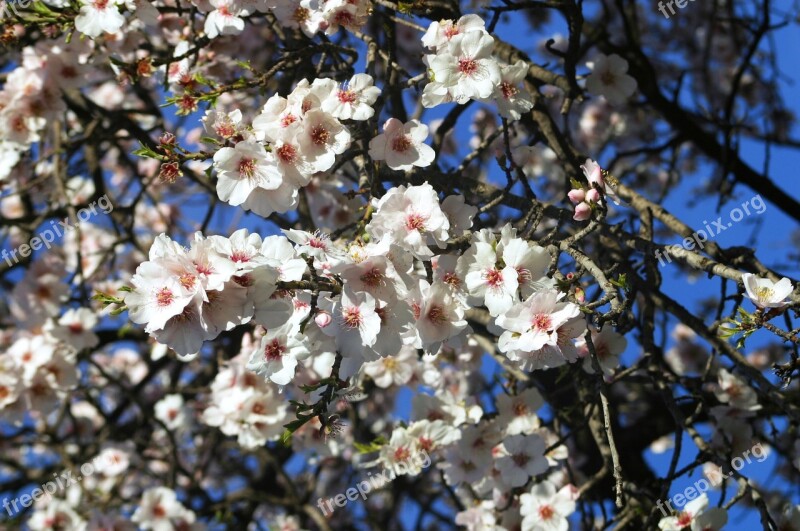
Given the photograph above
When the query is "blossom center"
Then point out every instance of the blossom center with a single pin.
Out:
(352, 317)
(764, 294)
(520, 459)
(372, 278)
(546, 512)
(401, 454)
(247, 167)
(288, 119)
(225, 130)
(347, 96)
(467, 66)
(508, 90)
(401, 143)
(493, 277)
(451, 279)
(301, 14)
(684, 519)
(287, 153)
(164, 297)
(608, 78)
(451, 31)
(437, 315)
(274, 350)
(542, 321)
(343, 18)
(317, 243)
(187, 280)
(415, 222)
(320, 135)
(240, 256)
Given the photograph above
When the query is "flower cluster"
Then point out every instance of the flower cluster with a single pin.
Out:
(587, 200)
(390, 251)
(245, 406)
(38, 371)
(187, 296)
(31, 96)
(462, 68)
(292, 139)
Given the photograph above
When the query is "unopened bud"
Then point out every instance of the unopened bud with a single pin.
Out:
(582, 212)
(580, 296)
(577, 195)
(323, 319)
(167, 139)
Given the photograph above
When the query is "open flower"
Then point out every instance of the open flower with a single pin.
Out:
(545, 509)
(402, 146)
(524, 458)
(466, 68)
(696, 516)
(609, 79)
(513, 100)
(242, 169)
(225, 19)
(277, 354)
(354, 100)
(99, 16)
(767, 294)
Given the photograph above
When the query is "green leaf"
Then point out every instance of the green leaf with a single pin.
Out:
(301, 406)
(146, 152)
(405, 7)
(374, 446)
(42, 9)
(124, 330)
(200, 78)
(621, 281)
(209, 140)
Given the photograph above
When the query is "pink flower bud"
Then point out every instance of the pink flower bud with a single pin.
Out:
(167, 139)
(577, 195)
(323, 319)
(593, 196)
(580, 296)
(582, 212)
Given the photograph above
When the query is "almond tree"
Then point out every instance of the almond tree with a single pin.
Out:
(358, 264)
